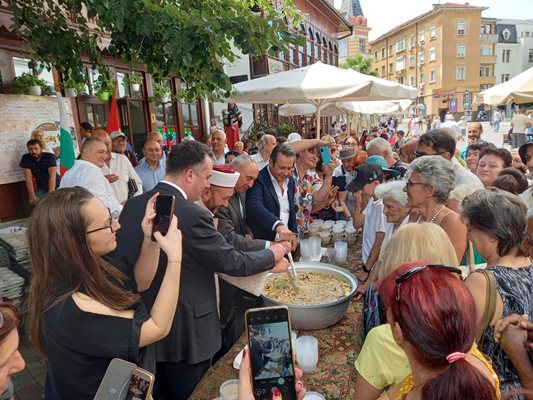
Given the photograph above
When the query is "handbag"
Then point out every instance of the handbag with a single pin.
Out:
(490, 306)
(132, 188)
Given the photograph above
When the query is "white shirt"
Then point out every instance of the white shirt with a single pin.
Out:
(221, 160)
(465, 177)
(283, 200)
(121, 166)
(90, 177)
(177, 187)
(258, 159)
(519, 123)
(375, 221)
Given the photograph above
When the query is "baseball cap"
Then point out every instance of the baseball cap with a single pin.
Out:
(116, 135)
(294, 137)
(365, 173)
(379, 160)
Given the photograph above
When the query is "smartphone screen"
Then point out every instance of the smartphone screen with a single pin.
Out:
(325, 153)
(140, 385)
(164, 208)
(269, 341)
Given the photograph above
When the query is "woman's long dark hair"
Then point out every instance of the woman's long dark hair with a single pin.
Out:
(437, 315)
(62, 261)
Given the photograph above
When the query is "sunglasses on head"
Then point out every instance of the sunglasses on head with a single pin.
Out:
(413, 271)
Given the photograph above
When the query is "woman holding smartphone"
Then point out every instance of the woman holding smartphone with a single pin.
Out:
(84, 308)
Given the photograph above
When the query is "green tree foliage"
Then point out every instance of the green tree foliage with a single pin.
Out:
(190, 39)
(360, 63)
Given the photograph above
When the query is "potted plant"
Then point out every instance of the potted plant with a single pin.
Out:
(135, 81)
(103, 87)
(28, 83)
(73, 88)
(161, 92)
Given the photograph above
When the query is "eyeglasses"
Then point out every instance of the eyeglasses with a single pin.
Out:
(409, 184)
(108, 226)
(407, 274)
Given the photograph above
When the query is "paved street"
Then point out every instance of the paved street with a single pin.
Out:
(488, 134)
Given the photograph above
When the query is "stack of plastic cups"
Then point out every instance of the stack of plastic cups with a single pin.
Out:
(305, 250)
(341, 252)
(314, 228)
(351, 234)
(338, 233)
(307, 353)
(315, 248)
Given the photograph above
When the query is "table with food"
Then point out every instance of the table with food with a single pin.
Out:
(323, 306)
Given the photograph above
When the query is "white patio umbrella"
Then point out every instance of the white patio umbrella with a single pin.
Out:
(318, 84)
(517, 90)
(332, 109)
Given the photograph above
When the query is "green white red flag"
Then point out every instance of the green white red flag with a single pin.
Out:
(66, 143)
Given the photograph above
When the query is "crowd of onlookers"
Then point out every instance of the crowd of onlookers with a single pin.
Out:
(445, 271)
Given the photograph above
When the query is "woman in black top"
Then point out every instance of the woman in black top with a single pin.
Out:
(85, 311)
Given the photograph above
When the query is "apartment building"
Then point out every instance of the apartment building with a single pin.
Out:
(442, 53)
(514, 49)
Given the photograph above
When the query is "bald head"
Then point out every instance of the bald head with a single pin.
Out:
(152, 151)
(104, 137)
(248, 171)
(157, 137)
(475, 129)
(218, 140)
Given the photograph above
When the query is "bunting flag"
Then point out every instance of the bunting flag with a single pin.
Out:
(66, 145)
(113, 123)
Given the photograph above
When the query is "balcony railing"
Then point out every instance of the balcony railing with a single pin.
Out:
(487, 59)
(488, 37)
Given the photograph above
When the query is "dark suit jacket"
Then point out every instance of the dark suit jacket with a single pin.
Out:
(263, 208)
(232, 226)
(195, 332)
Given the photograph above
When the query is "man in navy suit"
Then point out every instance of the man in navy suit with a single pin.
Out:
(185, 354)
(270, 204)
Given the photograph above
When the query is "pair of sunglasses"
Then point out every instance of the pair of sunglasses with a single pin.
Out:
(408, 274)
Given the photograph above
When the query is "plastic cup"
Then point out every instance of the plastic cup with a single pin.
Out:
(325, 237)
(316, 243)
(229, 390)
(341, 251)
(331, 255)
(318, 221)
(338, 229)
(305, 249)
(324, 228)
(313, 230)
(307, 353)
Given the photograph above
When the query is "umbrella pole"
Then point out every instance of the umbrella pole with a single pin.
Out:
(318, 123)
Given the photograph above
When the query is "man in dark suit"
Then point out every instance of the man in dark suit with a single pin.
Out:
(232, 219)
(185, 354)
(234, 301)
(270, 204)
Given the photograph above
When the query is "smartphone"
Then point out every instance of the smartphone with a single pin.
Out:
(141, 384)
(115, 383)
(164, 209)
(325, 153)
(271, 352)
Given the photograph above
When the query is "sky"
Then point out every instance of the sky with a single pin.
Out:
(383, 15)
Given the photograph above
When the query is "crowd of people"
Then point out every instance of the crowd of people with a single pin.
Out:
(430, 207)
